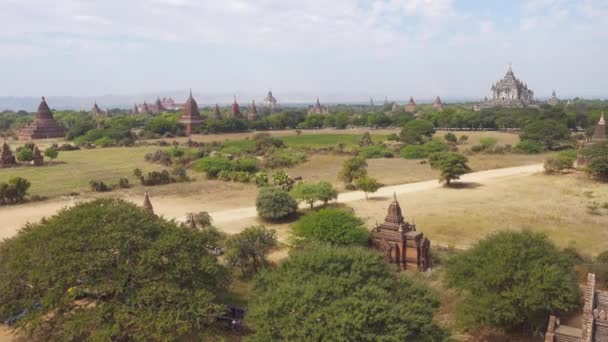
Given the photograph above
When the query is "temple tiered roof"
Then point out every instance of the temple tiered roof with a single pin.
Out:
(147, 205)
(600, 129)
(191, 118)
(410, 107)
(44, 125)
(235, 110)
(438, 105)
(253, 112)
(7, 158)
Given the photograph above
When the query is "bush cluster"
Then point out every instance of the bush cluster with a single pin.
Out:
(14, 191)
(212, 166)
(563, 160)
(423, 151)
(277, 158)
(99, 186)
(529, 147)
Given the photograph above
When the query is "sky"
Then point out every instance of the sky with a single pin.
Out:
(337, 49)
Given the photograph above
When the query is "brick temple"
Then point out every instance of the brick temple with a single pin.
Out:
(252, 115)
(7, 158)
(44, 125)
(410, 107)
(438, 105)
(595, 319)
(400, 242)
(191, 118)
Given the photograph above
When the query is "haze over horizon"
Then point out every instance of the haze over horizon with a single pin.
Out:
(339, 50)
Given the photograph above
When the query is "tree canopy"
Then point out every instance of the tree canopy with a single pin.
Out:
(547, 132)
(335, 226)
(597, 159)
(352, 169)
(249, 247)
(451, 165)
(513, 280)
(312, 192)
(108, 270)
(330, 293)
(417, 132)
(275, 204)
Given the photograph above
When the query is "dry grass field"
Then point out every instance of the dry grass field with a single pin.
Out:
(560, 206)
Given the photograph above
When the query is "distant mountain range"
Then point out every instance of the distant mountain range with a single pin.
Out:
(30, 103)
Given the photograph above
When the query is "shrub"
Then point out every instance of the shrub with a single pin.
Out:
(281, 179)
(562, 160)
(212, 166)
(275, 204)
(156, 178)
(123, 183)
(51, 153)
(98, 186)
(160, 157)
(463, 139)
(487, 142)
(413, 152)
(335, 226)
(331, 293)
(25, 153)
(265, 141)
(276, 158)
(513, 280)
(529, 147)
(450, 138)
(366, 140)
(14, 191)
(261, 179)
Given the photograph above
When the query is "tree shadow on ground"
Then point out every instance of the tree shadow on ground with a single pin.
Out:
(464, 185)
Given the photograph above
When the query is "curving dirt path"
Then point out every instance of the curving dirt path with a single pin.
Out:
(175, 207)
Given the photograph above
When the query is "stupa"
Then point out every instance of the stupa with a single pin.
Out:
(44, 125)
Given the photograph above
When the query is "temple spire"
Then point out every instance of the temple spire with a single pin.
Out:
(147, 204)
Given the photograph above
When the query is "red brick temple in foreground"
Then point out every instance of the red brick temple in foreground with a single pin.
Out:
(595, 319)
(191, 118)
(400, 242)
(43, 126)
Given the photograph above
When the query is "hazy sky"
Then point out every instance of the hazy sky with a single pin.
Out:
(396, 48)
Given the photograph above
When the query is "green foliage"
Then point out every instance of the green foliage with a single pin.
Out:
(284, 157)
(549, 133)
(423, 151)
(562, 160)
(260, 179)
(107, 270)
(99, 186)
(487, 142)
(529, 147)
(463, 139)
(331, 293)
(155, 178)
(51, 153)
(513, 280)
(235, 176)
(366, 140)
(335, 226)
(367, 185)
(25, 153)
(275, 204)
(212, 166)
(375, 151)
(281, 179)
(353, 168)
(597, 159)
(312, 192)
(451, 165)
(163, 124)
(265, 141)
(450, 138)
(14, 191)
(417, 132)
(249, 247)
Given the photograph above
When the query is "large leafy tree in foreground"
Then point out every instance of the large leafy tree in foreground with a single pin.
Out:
(107, 270)
(329, 293)
(513, 280)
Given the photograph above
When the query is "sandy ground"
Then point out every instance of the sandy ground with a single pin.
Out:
(238, 216)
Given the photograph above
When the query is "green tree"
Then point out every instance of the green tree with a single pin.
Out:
(106, 270)
(417, 131)
(249, 247)
(312, 192)
(451, 165)
(331, 293)
(547, 132)
(367, 185)
(562, 160)
(14, 191)
(513, 280)
(353, 168)
(597, 159)
(335, 226)
(275, 204)
(24, 153)
(51, 153)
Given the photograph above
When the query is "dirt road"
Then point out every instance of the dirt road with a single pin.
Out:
(14, 217)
